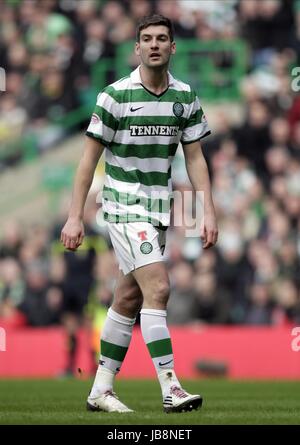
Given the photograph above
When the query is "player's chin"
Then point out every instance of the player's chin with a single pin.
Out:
(156, 62)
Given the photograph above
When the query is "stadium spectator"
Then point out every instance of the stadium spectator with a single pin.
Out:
(11, 240)
(287, 309)
(34, 305)
(212, 302)
(181, 308)
(12, 287)
(258, 310)
(76, 275)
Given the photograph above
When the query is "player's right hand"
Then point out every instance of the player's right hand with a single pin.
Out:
(72, 234)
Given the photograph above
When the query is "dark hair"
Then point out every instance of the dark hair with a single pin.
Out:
(155, 20)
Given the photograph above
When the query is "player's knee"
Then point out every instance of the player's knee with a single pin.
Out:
(161, 293)
(130, 300)
(130, 307)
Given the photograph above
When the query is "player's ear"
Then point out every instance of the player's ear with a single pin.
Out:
(173, 48)
(137, 48)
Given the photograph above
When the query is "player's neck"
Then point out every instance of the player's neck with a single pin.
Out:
(155, 80)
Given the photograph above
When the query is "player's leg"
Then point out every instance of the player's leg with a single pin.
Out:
(74, 300)
(115, 339)
(154, 283)
(118, 326)
(70, 322)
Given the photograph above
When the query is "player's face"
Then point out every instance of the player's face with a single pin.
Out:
(155, 46)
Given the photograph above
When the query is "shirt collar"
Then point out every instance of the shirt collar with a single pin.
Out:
(136, 77)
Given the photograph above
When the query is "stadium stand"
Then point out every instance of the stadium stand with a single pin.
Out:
(57, 55)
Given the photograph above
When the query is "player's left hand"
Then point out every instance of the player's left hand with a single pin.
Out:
(209, 230)
(72, 234)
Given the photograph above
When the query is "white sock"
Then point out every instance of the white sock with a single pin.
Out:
(104, 381)
(167, 379)
(157, 338)
(115, 339)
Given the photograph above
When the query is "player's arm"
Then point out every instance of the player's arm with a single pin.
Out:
(197, 170)
(72, 233)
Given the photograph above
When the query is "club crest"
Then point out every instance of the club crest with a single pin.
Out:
(178, 109)
(146, 248)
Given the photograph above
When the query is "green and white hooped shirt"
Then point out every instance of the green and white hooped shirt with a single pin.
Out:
(141, 132)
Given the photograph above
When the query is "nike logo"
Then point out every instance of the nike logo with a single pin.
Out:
(163, 364)
(135, 109)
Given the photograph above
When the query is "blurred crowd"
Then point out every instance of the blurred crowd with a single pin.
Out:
(252, 275)
(49, 47)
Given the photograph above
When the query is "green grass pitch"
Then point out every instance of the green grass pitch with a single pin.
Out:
(226, 402)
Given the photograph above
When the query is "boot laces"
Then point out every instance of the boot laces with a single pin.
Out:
(110, 393)
(178, 392)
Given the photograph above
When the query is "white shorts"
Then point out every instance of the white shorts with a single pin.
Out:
(137, 244)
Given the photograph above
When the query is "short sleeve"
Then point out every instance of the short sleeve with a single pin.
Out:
(196, 126)
(104, 121)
